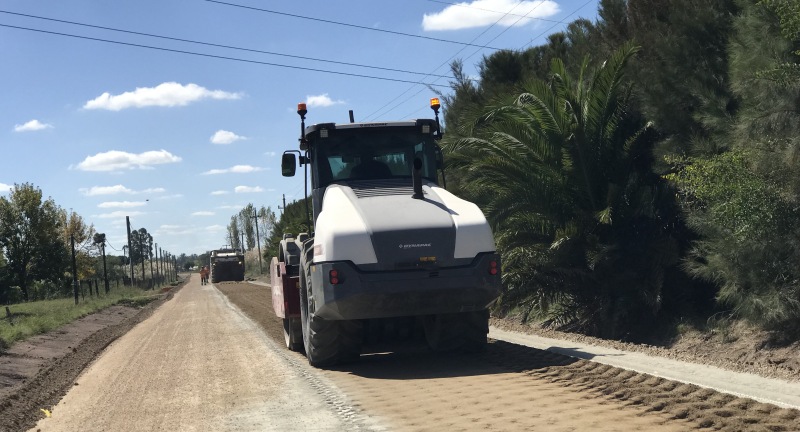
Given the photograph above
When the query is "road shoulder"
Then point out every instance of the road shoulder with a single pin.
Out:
(45, 367)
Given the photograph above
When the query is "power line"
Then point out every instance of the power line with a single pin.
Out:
(553, 26)
(347, 24)
(512, 25)
(444, 63)
(214, 56)
(214, 44)
(494, 11)
(562, 21)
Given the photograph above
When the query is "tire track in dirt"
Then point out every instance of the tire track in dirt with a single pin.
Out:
(512, 387)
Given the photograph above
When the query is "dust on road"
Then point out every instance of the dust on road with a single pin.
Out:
(196, 365)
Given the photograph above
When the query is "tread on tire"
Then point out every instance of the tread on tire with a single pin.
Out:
(327, 342)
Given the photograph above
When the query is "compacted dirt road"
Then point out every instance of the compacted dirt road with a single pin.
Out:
(197, 364)
(512, 387)
(212, 359)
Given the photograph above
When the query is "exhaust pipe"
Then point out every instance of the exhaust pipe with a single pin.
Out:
(416, 179)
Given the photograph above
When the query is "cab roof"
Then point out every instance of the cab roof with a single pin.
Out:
(389, 124)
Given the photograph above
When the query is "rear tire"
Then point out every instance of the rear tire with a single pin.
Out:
(462, 332)
(327, 342)
(293, 334)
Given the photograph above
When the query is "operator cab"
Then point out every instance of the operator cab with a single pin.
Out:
(363, 152)
(372, 155)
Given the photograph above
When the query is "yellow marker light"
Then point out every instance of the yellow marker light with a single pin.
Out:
(435, 103)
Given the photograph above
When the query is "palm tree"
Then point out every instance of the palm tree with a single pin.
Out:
(563, 174)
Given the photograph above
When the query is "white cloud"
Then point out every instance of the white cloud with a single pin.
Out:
(174, 230)
(152, 190)
(247, 189)
(225, 137)
(33, 125)
(4, 188)
(482, 13)
(118, 189)
(220, 192)
(239, 169)
(119, 214)
(173, 196)
(271, 153)
(118, 160)
(215, 228)
(121, 204)
(203, 213)
(321, 101)
(106, 190)
(168, 94)
(231, 207)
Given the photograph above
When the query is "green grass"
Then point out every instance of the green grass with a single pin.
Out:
(33, 318)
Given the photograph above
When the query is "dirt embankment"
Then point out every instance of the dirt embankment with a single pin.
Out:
(738, 348)
(35, 374)
(511, 387)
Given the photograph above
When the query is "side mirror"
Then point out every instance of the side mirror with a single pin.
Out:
(439, 158)
(288, 164)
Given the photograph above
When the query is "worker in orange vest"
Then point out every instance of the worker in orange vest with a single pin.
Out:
(204, 275)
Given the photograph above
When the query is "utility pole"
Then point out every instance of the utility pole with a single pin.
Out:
(105, 272)
(242, 245)
(284, 204)
(130, 251)
(150, 256)
(155, 252)
(74, 268)
(161, 264)
(142, 245)
(258, 242)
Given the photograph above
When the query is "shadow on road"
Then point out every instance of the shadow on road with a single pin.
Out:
(404, 359)
(417, 361)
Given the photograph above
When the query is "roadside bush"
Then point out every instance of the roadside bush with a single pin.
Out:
(564, 174)
(749, 244)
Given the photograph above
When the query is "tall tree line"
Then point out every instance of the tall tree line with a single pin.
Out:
(642, 167)
(36, 238)
(293, 220)
(243, 226)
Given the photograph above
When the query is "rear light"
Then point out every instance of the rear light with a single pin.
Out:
(493, 268)
(333, 277)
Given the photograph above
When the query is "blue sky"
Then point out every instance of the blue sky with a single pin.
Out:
(180, 142)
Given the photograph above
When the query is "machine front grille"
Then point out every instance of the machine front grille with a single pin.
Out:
(383, 187)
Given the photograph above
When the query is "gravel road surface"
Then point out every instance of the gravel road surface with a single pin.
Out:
(778, 392)
(212, 359)
(198, 364)
(513, 387)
